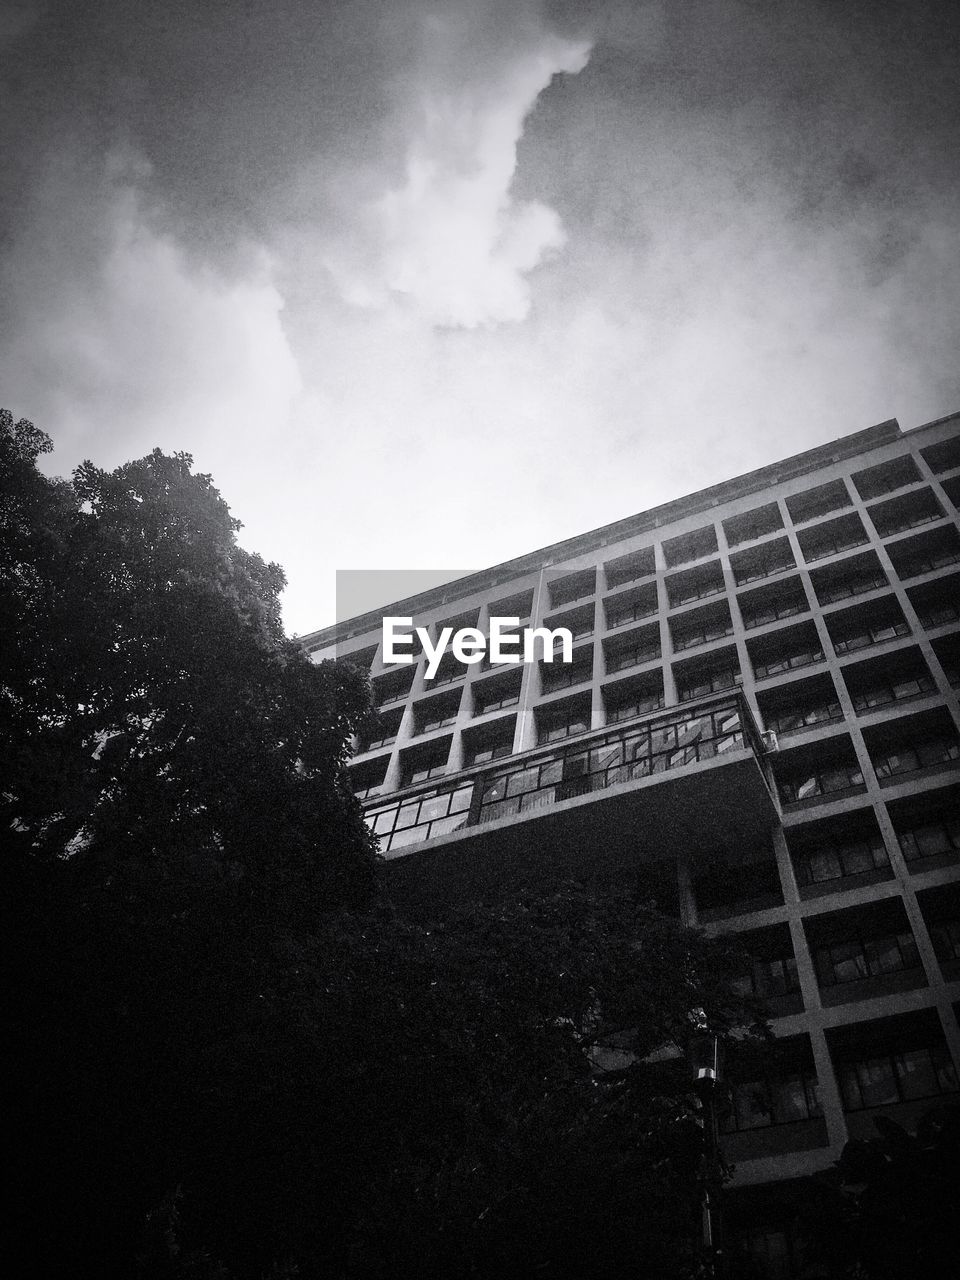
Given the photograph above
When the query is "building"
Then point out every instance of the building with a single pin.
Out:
(764, 693)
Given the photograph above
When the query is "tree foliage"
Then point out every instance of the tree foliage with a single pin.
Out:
(150, 706)
(235, 1058)
(887, 1209)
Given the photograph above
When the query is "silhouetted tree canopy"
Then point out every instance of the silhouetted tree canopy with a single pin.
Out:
(233, 1056)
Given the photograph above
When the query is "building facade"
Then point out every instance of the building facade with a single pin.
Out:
(763, 695)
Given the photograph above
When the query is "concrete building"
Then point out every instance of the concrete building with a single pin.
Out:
(764, 693)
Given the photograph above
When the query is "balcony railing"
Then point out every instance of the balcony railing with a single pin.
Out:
(595, 762)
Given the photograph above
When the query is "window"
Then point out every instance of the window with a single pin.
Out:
(885, 478)
(438, 712)
(926, 552)
(424, 763)
(859, 957)
(769, 978)
(945, 936)
(776, 666)
(908, 512)
(367, 779)
(626, 656)
(574, 586)
(619, 614)
(818, 502)
(927, 561)
(759, 607)
(483, 754)
(362, 659)
(891, 762)
(753, 569)
(496, 700)
(557, 730)
(942, 835)
(832, 860)
(635, 704)
(562, 675)
(883, 1079)
(820, 782)
(384, 733)
(774, 1100)
(579, 622)
(892, 690)
(752, 524)
(516, 606)
(870, 633)
(848, 578)
(845, 588)
(699, 685)
(420, 773)
(691, 630)
(497, 693)
(803, 716)
(448, 670)
(438, 719)
(943, 456)
(938, 602)
(690, 546)
(638, 564)
(947, 650)
(769, 1253)
(364, 789)
(695, 584)
(832, 538)
(394, 686)
(421, 817)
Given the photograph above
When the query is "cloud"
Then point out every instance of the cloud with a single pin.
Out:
(436, 281)
(119, 336)
(449, 242)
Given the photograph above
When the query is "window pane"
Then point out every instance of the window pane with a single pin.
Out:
(383, 821)
(525, 780)
(751, 1106)
(824, 865)
(916, 1074)
(434, 807)
(789, 1100)
(451, 823)
(877, 1083)
(850, 1088)
(461, 799)
(407, 815)
(946, 1072)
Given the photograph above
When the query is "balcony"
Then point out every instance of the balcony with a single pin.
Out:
(688, 778)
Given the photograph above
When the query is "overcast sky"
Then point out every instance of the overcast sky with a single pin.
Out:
(437, 284)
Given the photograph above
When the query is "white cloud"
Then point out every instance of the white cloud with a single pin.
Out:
(449, 242)
(117, 326)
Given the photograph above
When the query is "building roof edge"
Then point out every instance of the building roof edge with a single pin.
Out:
(568, 548)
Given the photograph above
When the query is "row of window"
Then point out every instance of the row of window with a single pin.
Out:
(844, 580)
(813, 779)
(776, 654)
(881, 1079)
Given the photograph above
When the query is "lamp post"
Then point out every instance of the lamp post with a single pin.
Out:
(705, 1062)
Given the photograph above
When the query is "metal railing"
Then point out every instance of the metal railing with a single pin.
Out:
(643, 748)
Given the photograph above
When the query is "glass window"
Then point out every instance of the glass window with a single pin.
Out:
(931, 838)
(878, 1086)
(885, 1079)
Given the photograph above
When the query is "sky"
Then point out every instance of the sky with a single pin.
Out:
(431, 284)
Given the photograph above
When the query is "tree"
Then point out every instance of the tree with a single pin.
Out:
(175, 817)
(887, 1209)
(235, 1058)
(150, 705)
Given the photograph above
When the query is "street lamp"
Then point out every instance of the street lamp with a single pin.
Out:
(705, 1057)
